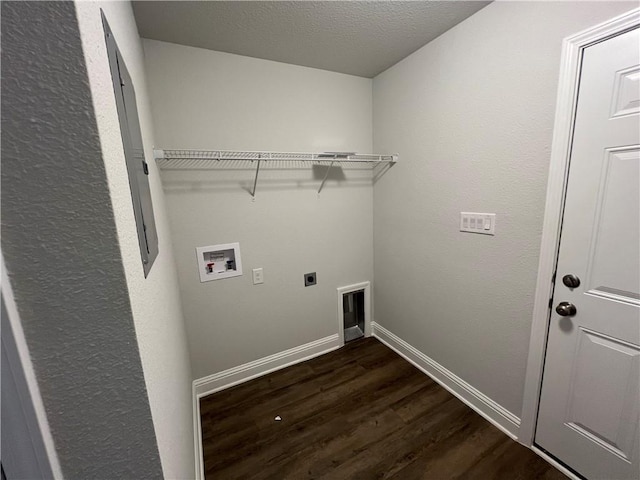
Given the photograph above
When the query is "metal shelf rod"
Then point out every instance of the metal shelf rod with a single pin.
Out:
(255, 180)
(325, 177)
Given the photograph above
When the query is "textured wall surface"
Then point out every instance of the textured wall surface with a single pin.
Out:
(471, 115)
(206, 99)
(61, 250)
(155, 301)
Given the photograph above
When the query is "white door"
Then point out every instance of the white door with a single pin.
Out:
(590, 399)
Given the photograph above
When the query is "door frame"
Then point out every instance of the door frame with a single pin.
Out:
(570, 65)
(36, 427)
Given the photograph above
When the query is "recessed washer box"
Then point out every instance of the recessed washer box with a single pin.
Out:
(216, 262)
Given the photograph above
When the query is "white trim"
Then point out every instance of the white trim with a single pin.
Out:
(570, 64)
(197, 432)
(243, 373)
(485, 406)
(366, 286)
(29, 372)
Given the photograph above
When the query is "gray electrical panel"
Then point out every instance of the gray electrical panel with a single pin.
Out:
(137, 167)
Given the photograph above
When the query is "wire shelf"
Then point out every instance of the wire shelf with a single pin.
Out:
(169, 159)
(176, 155)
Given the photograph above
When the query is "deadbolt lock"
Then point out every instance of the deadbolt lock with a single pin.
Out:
(571, 281)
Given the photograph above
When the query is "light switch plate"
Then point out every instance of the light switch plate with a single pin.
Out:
(483, 223)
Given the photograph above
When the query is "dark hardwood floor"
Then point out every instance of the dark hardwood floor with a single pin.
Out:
(360, 412)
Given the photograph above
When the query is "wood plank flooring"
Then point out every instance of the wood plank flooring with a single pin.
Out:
(360, 412)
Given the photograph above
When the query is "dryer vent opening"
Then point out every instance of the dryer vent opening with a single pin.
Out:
(353, 310)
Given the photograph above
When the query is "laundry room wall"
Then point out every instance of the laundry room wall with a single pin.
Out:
(203, 99)
(471, 115)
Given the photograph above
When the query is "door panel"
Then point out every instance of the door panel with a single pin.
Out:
(589, 403)
(607, 362)
(626, 99)
(616, 225)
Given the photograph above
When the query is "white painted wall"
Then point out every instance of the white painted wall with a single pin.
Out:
(155, 301)
(203, 99)
(471, 116)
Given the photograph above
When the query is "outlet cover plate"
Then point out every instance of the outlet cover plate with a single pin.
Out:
(258, 276)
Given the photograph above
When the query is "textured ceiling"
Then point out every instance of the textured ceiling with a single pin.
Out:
(354, 37)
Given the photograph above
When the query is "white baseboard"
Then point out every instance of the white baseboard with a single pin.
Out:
(243, 373)
(489, 409)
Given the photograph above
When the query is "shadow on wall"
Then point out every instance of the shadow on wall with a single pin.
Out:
(227, 175)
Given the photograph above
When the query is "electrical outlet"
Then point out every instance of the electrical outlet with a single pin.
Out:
(484, 223)
(258, 276)
(310, 279)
